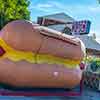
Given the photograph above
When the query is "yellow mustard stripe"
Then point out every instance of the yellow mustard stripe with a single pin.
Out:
(16, 55)
(56, 60)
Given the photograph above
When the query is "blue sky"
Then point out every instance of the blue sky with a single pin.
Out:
(78, 9)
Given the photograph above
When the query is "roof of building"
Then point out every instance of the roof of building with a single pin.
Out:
(59, 16)
(90, 42)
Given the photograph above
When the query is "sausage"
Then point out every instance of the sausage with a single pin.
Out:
(25, 36)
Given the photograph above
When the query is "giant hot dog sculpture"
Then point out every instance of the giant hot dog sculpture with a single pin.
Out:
(35, 56)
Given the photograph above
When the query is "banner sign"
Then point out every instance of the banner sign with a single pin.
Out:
(81, 27)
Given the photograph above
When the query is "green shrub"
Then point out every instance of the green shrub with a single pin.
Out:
(94, 63)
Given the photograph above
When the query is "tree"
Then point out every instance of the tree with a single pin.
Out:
(12, 10)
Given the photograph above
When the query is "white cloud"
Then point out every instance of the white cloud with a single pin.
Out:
(72, 8)
(44, 5)
(77, 8)
(95, 9)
